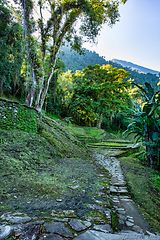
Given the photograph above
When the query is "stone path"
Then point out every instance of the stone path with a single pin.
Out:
(64, 224)
(129, 218)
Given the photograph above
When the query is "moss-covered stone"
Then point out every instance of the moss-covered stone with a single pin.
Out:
(114, 220)
(16, 116)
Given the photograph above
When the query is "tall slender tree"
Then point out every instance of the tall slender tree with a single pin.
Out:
(65, 19)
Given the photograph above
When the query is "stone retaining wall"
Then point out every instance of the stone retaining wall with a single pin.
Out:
(17, 116)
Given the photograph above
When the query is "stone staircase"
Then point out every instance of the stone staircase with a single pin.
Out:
(131, 223)
(66, 226)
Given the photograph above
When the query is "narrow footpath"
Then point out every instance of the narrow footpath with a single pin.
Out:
(131, 224)
(65, 225)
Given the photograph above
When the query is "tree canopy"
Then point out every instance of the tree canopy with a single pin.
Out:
(99, 91)
(70, 20)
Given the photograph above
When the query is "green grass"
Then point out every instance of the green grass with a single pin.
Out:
(86, 131)
(110, 144)
(53, 116)
(33, 168)
(11, 97)
(144, 185)
(89, 133)
(156, 180)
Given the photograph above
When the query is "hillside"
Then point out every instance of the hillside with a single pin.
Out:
(38, 164)
(61, 181)
(135, 67)
(74, 61)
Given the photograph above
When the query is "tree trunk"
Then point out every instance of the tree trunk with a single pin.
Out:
(39, 92)
(1, 87)
(41, 83)
(54, 88)
(45, 90)
(31, 93)
(40, 100)
(149, 150)
(99, 123)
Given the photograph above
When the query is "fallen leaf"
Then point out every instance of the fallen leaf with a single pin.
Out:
(16, 235)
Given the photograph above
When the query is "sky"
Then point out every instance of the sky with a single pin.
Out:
(135, 38)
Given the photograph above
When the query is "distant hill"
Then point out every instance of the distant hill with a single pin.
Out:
(136, 67)
(74, 61)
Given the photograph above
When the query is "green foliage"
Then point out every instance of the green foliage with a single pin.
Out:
(99, 91)
(15, 116)
(139, 78)
(5, 16)
(114, 219)
(146, 123)
(10, 52)
(26, 120)
(58, 27)
(96, 95)
(143, 183)
(68, 120)
(74, 61)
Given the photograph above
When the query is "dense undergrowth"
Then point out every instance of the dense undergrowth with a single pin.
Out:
(144, 186)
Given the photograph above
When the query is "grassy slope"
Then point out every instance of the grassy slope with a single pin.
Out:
(33, 164)
(43, 165)
(144, 185)
(37, 169)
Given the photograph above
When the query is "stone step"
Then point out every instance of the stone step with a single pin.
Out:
(108, 146)
(118, 141)
(118, 190)
(5, 231)
(96, 235)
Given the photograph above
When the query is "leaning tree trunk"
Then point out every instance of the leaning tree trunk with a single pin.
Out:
(39, 104)
(43, 93)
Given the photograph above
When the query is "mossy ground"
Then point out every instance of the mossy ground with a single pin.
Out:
(144, 185)
(37, 169)
(60, 138)
(34, 172)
